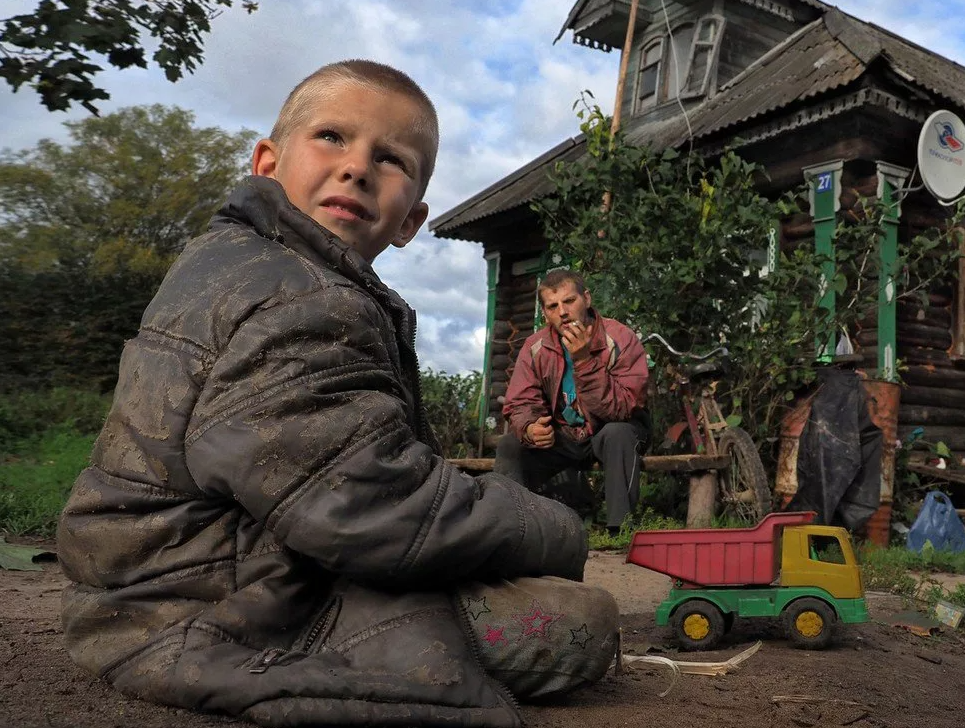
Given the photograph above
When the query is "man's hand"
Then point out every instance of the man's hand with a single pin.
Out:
(576, 338)
(540, 433)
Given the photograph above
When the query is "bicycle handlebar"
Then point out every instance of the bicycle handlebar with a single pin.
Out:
(688, 354)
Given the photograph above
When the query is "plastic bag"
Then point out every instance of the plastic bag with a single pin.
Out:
(937, 523)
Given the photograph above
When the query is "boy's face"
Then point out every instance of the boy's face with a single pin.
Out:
(355, 167)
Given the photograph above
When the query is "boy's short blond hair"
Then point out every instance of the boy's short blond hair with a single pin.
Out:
(298, 105)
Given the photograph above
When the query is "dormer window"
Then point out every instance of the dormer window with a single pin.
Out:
(648, 79)
(706, 41)
(678, 64)
(681, 42)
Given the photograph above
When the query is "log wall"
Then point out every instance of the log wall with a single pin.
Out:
(933, 379)
(515, 313)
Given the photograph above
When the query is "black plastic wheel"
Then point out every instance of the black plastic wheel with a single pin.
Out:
(698, 625)
(743, 492)
(809, 623)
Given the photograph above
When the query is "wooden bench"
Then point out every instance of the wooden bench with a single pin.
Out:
(703, 480)
(660, 463)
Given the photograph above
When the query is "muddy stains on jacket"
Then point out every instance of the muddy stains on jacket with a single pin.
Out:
(267, 441)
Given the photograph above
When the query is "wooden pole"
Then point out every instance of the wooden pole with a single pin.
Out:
(701, 500)
(621, 85)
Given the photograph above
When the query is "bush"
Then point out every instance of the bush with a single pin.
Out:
(27, 415)
(451, 402)
(34, 484)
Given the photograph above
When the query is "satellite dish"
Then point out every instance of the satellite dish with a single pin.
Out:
(941, 155)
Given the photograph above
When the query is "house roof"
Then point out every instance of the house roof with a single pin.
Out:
(583, 7)
(828, 54)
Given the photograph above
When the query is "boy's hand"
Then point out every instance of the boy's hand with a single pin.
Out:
(541, 433)
(576, 338)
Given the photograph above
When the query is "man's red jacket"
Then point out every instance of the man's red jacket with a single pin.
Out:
(611, 384)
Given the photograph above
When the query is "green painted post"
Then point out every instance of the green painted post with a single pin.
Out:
(492, 280)
(890, 180)
(824, 183)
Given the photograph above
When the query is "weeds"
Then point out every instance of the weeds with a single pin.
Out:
(35, 480)
(896, 570)
(648, 520)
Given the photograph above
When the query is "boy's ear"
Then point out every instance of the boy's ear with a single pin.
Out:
(410, 226)
(264, 160)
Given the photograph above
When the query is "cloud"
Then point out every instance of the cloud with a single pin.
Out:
(503, 90)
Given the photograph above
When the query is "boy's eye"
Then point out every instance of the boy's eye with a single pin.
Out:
(329, 136)
(389, 158)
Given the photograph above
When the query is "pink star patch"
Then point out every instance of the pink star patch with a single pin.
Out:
(495, 636)
(537, 621)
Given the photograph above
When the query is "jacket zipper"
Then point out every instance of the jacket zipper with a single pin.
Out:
(266, 659)
(324, 623)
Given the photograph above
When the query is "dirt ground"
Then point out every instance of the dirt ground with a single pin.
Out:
(874, 675)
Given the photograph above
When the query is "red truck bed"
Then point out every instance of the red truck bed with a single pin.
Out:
(716, 556)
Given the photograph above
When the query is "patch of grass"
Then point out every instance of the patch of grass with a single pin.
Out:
(892, 569)
(26, 415)
(648, 520)
(36, 478)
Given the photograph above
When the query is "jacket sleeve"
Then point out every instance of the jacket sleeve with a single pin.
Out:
(304, 422)
(614, 394)
(526, 401)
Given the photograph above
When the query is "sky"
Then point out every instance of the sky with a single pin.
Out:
(504, 92)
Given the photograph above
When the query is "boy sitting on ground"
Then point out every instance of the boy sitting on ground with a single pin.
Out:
(267, 528)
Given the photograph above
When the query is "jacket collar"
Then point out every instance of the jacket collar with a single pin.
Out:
(261, 203)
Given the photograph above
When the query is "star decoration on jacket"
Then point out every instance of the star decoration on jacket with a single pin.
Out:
(536, 622)
(477, 607)
(580, 636)
(494, 636)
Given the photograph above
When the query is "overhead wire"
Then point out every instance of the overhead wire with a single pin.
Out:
(676, 63)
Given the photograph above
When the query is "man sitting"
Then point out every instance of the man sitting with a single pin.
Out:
(577, 393)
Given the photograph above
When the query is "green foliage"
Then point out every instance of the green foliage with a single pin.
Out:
(894, 569)
(451, 402)
(51, 48)
(35, 483)
(680, 252)
(647, 520)
(27, 415)
(125, 195)
(924, 262)
(88, 230)
(678, 246)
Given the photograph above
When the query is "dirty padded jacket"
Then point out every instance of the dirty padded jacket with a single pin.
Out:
(267, 443)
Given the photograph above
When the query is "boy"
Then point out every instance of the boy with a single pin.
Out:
(267, 528)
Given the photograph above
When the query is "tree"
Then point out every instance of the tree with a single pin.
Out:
(128, 193)
(51, 49)
(87, 231)
(682, 251)
(450, 401)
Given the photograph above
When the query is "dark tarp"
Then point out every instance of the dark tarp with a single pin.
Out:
(839, 459)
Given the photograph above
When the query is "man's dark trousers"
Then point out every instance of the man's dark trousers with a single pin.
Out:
(617, 446)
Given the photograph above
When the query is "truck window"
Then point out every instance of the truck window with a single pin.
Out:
(826, 549)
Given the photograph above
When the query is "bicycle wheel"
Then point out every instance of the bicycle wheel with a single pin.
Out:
(742, 488)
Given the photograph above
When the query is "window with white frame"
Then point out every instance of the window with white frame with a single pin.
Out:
(681, 42)
(679, 64)
(648, 77)
(706, 42)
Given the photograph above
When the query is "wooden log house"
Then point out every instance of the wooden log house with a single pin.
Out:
(803, 89)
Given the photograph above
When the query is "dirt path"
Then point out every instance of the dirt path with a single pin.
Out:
(873, 676)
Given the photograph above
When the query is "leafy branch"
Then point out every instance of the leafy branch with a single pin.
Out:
(51, 48)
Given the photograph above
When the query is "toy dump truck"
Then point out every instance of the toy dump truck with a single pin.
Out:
(784, 566)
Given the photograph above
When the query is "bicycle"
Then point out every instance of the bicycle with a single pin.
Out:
(743, 494)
